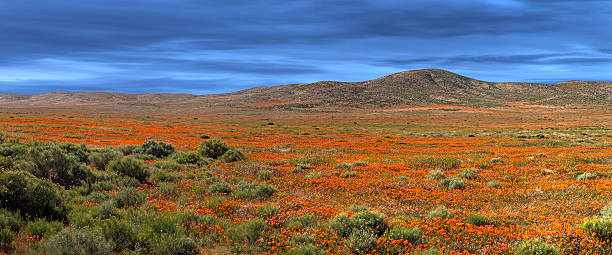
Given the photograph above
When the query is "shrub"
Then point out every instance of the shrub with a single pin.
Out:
(165, 176)
(168, 189)
(220, 187)
(586, 176)
(303, 221)
(302, 239)
(247, 232)
(53, 163)
(129, 166)
(453, 183)
(536, 246)
(307, 249)
(77, 242)
(436, 174)
(361, 242)
(430, 251)
(370, 221)
(479, 220)
(174, 244)
(267, 211)
(24, 192)
(494, 184)
(254, 190)
(121, 233)
(157, 149)
(301, 168)
(348, 174)
(186, 158)
(105, 210)
(43, 228)
(264, 174)
(232, 156)
(127, 149)
(6, 240)
(469, 173)
(212, 148)
(412, 235)
(341, 224)
(128, 197)
(445, 163)
(606, 212)
(602, 228)
(440, 212)
(10, 220)
(100, 159)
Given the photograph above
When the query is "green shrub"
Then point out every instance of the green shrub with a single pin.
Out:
(494, 184)
(51, 162)
(307, 249)
(247, 232)
(105, 210)
(157, 149)
(6, 240)
(430, 251)
(128, 197)
(303, 221)
(348, 174)
(479, 220)
(267, 211)
(99, 159)
(43, 228)
(30, 195)
(174, 244)
(536, 246)
(127, 149)
(220, 187)
(254, 190)
(81, 216)
(606, 212)
(469, 173)
(370, 221)
(412, 235)
(341, 224)
(165, 176)
(453, 183)
(436, 174)
(168, 189)
(440, 212)
(264, 174)
(186, 158)
(445, 163)
(301, 168)
(129, 166)
(586, 176)
(361, 242)
(120, 232)
(232, 156)
(602, 228)
(10, 220)
(302, 239)
(76, 242)
(212, 148)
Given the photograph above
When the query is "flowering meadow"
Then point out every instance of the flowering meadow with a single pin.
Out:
(428, 181)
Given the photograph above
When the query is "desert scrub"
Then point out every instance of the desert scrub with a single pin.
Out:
(23, 192)
(306, 249)
(586, 176)
(479, 220)
(247, 232)
(412, 235)
(606, 212)
(77, 242)
(469, 173)
(212, 149)
(129, 197)
(50, 161)
(42, 228)
(99, 159)
(122, 233)
(440, 212)
(453, 183)
(601, 228)
(232, 156)
(301, 222)
(436, 174)
(361, 242)
(536, 246)
(264, 174)
(445, 163)
(220, 188)
(131, 167)
(10, 220)
(254, 190)
(157, 149)
(267, 211)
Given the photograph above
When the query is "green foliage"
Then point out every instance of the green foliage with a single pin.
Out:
(128, 197)
(127, 149)
(267, 211)
(105, 210)
(10, 220)
(212, 148)
(586, 176)
(307, 249)
(76, 242)
(157, 149)
(120, 232)
(479, 220)
(50, 161)
(6, 240)
(494, 184)
(602, 228)
(371, 221)
(430, 251)
(232, 156)
(174, 244)
(302, 221)
(536, 247)
(43, 228)
(453, 183)
(302, 239)
(220, 187)
(436, 174)
(361, 242)
(247, 232)
(254, 190)
(606, 212)
(99, 159)
(129, 166)
(469, 173)
(412, 235)
(168, 189)
(348, 174)
(440, 212)
(264, 174)
(30, 195)
(341, 224)
(165, 176)
(445, 163)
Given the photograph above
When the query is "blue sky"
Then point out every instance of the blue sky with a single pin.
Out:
(203, 47)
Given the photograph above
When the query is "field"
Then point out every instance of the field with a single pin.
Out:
(423, 180)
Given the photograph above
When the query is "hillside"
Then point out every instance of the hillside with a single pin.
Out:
(409, 88)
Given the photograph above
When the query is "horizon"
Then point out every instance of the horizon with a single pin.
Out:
(209, 47)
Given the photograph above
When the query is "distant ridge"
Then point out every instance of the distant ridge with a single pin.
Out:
(416, 87)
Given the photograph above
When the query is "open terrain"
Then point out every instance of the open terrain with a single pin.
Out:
(418, 162)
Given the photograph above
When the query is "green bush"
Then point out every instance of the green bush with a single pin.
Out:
(212, 148)
(436, 174)
(602, 228)
(479, 220)
(586, 176)
(129, 166)
(302, 239)
(43, 228)
(348, 174)
(174, 244)
(220, 187)
(430, 251)
(99, 159)
(303, 221)
(453, 183)
(267, 211)
(168, 189)
(370, 221)
(50, 162)
(120, 232)
(445, 163)
(254, 190)
(341, 224)
(412, 235)
(264, 174)
(76, 242)
(36, 197)
(536, 246)
(469, 173)
(232, 156)
(361, 242)
(187, 158)
(10, 220)
(494, 184)
(247, 232)
(606, 212)
(165, 176)
(128, 197)
(307, 249)
(105, 210)
(440, 212)
(6, 240)
(127, 149)
(157, 149)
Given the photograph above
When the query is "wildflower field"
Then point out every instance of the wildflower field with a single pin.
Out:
(437, 180)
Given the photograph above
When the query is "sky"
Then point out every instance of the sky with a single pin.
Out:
(206, 47)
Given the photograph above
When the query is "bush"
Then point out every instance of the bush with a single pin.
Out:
(536, 246)
(264, 174)
(341, 224)
(601, 228)
(100, 159)
(494, 184)
(606, 212)
(212, 148)
(254, 190)
(412, 235)
(307, 249)
(52, 163)
(232, 156)
(127, 149)
(445, 163)
(157, 149)
(348, 174)
(440, 212)
(430, 251)
(121, 233)
(267, 211)
(436, 174)
(128, 197)
(302, 239)
(453, 183)
(247, 232)
(586, 176)
(361, 242)
(479, 220)
(29, 195)
(174, 244)
(43, 228)
(105, 210)
(303, 221)
(129, 166)
(469, 173)
(371, 221)
(220, 187)
(6, 240)
(186, 158)
(10, 220)
(76, 242)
